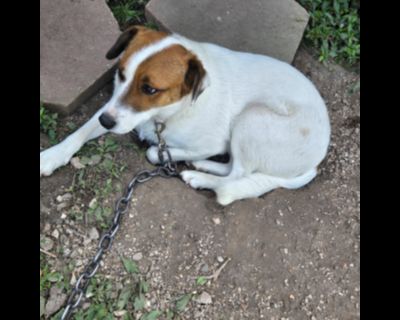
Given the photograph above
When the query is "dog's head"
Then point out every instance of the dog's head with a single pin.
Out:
(156, 76)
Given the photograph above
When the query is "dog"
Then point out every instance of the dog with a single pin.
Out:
(264, 113)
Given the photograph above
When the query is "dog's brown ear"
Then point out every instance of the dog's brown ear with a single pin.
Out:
(122, 42)
(194, 78)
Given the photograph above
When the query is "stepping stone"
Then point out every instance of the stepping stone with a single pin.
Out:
(75, 35)
(271, 27)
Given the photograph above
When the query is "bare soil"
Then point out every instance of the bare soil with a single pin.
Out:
(294, 254)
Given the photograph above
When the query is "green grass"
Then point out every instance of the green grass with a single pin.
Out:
(99, 179)
(105, 299)
(334, 29)
(128, 12)
(48, 124)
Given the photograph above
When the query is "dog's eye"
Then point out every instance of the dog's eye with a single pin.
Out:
(149, 90)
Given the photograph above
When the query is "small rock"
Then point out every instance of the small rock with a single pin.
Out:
(64, 197)
(73, 279)
(86, 306)
(46, 243)
(56, 300)
(220, 259)
(216, 221)
(46, 228)
(63, 216)
(61, 206)
(76, 163)
(119, 313)
(204, 268)
(93, 203)
(55, 233)
(137, 256)
(94, 234)
(204, 298)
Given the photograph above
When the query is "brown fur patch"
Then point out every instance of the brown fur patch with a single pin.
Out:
(164, 71)
(143, 38)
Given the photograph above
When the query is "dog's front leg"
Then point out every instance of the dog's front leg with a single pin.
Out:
(60, 154)
(179, 154)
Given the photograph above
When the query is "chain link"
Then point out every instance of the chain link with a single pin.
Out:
(166, 169)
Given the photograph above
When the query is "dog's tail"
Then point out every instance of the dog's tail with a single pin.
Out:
(257, 184)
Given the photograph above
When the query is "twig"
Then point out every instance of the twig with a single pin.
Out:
(48, 253)
(215, 275)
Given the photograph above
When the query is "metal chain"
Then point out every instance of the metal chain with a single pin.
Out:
(166, 169)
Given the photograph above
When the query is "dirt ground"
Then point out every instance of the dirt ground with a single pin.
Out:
(294, 254)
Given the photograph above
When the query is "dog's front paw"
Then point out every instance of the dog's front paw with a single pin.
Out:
(193, 178)
(152, 155)
(51, 159)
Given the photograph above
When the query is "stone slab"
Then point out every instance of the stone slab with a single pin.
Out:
(271, 27)
(74, 38)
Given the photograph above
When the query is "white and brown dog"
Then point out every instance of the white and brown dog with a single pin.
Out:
(263, 112)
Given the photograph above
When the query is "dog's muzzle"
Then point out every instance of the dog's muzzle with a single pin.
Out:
(107, 121)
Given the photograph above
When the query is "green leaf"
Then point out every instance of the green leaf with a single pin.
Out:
(55, 277)
(143, 286)
(169, 314)
(151, 315)
(201, 281)
(139, 303)
(127, 316)
(182, 302)
(130, 266)
(123, 298)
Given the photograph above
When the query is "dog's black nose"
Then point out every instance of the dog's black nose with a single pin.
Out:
(107, 121)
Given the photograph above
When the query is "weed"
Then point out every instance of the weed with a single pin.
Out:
(128, 11)
(334, 29)
(48, 124)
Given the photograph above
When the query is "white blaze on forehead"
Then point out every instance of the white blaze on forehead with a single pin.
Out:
(136, 59)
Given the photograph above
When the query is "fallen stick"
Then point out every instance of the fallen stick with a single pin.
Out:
(48, 253)
(216, 274)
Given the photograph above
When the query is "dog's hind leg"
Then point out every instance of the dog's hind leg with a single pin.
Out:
(217, 168)
(231, 188)
(257, 184)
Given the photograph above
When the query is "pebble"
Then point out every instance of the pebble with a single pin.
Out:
(119, 313)
(94, 234)
(137, 256)
(46, 227)
(220, 259)
(61, 206)
(55, 301)
(216, 221)
(93, 203)
(55, 233)
(76, 163)
(204, 268)
(64, 197)
(46, 243)
(204, 298)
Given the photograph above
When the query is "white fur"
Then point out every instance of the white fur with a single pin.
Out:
(265, 113)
